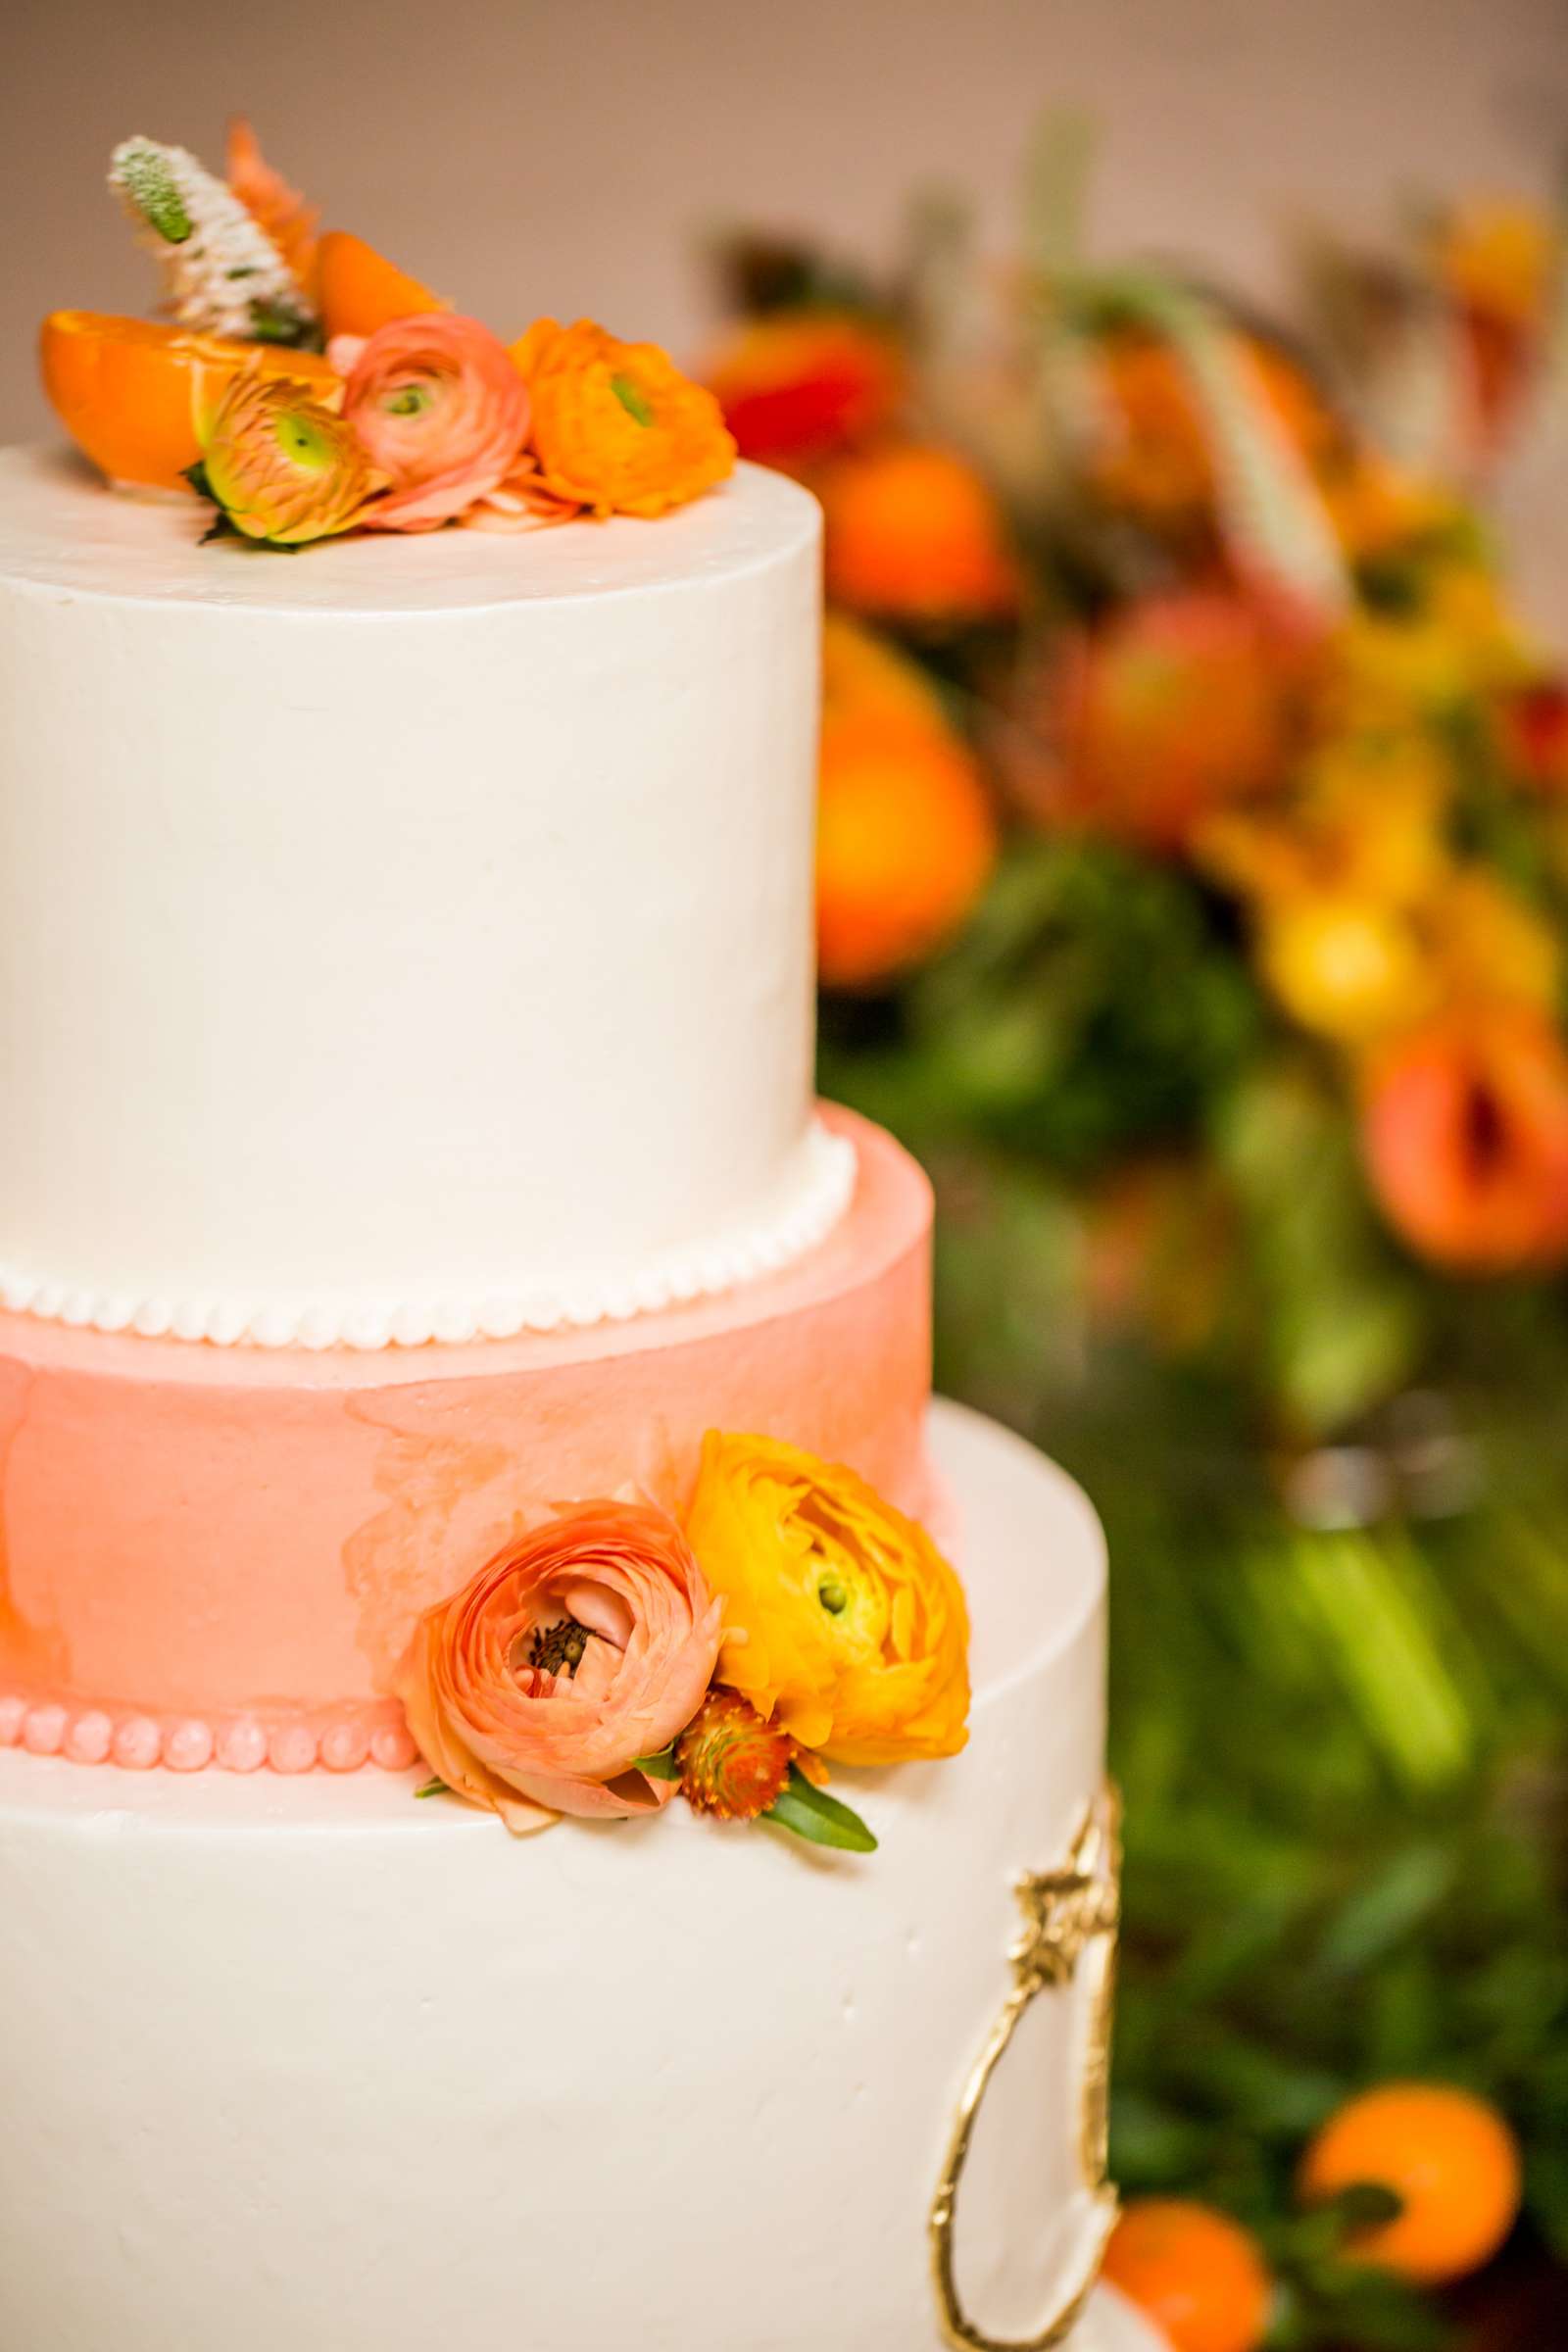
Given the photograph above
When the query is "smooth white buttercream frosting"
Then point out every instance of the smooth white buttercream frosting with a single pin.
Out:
(666, 2085)
(403, 940)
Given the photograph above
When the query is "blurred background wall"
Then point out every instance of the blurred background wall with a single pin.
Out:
(564, 155)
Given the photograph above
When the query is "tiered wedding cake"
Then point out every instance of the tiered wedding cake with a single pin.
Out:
(406, 1133)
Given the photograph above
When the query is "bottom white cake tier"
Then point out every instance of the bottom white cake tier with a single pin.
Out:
(305, 2065)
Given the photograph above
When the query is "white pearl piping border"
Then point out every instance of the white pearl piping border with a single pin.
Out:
(676, 1279)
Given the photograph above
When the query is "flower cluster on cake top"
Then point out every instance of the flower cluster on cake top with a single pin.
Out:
(612, 1656)
(305, 387)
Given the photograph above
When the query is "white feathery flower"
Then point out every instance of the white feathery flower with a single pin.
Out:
(224, 275)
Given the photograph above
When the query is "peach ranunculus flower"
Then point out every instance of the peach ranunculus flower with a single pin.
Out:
(842, 1620)
(584, 1644)
(440, 409)
(616, 426)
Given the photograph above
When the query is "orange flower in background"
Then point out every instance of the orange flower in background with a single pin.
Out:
(915, 534)
(1449, 2157)
(583, 1645)
(797, 385)
(1465, 1131)
(1175, 708)
(440, 410)
(1154, 459)
(864, 675)
(843, 1622)
(1500, 257)
(616, 426)
(275, 207)
(906, 842)
(1198, 2275)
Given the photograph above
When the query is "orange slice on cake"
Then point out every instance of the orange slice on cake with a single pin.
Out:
(359, 289)
(127, 389)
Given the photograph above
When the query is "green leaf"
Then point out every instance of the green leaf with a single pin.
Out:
(661, 1767)
(812, 1814)
(435, 1787)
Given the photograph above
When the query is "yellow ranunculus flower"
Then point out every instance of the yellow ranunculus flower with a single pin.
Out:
(842, 1620)
(1347, 967)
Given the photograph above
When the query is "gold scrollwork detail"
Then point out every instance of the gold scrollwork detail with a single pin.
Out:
(1068, 1914)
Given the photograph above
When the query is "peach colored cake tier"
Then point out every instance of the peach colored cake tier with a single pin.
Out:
(216, 1554)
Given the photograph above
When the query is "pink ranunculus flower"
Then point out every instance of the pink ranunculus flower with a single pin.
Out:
(440, 409)
(584, 1644)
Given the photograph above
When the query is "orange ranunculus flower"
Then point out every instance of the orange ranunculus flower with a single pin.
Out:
(616, 427)
(1465, 1130)
(905, 841)
(913, 533)
(282, 467)
(582, 1646)
(1176, 709)
(438, 405)
(1154, 458)
(842, 1620)
(797, 386)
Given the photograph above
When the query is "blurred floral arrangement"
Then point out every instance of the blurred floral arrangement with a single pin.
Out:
(1186, 777)
(1192, 896)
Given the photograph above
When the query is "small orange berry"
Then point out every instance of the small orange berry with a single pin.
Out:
(905, 840)
(1197, 2273)
(1448, 2156)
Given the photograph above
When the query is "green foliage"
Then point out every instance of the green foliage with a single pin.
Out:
(809, 1812)
(1089, 1007)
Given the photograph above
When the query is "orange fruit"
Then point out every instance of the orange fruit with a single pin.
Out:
(1446, 2155)
(905, 839)
(913, 533)
(1197, 2273)
(125, 389)
(359, 289)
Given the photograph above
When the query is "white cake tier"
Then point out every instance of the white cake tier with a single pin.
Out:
(404, 937)
(299, 2064)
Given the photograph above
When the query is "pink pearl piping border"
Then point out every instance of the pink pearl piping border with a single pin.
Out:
(332, 1740)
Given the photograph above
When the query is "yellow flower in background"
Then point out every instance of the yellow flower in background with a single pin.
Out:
(1358, 967)
(1345, 966)
(1492, 945)
(1460, 642)
(1365, 823)
(842, 1620)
